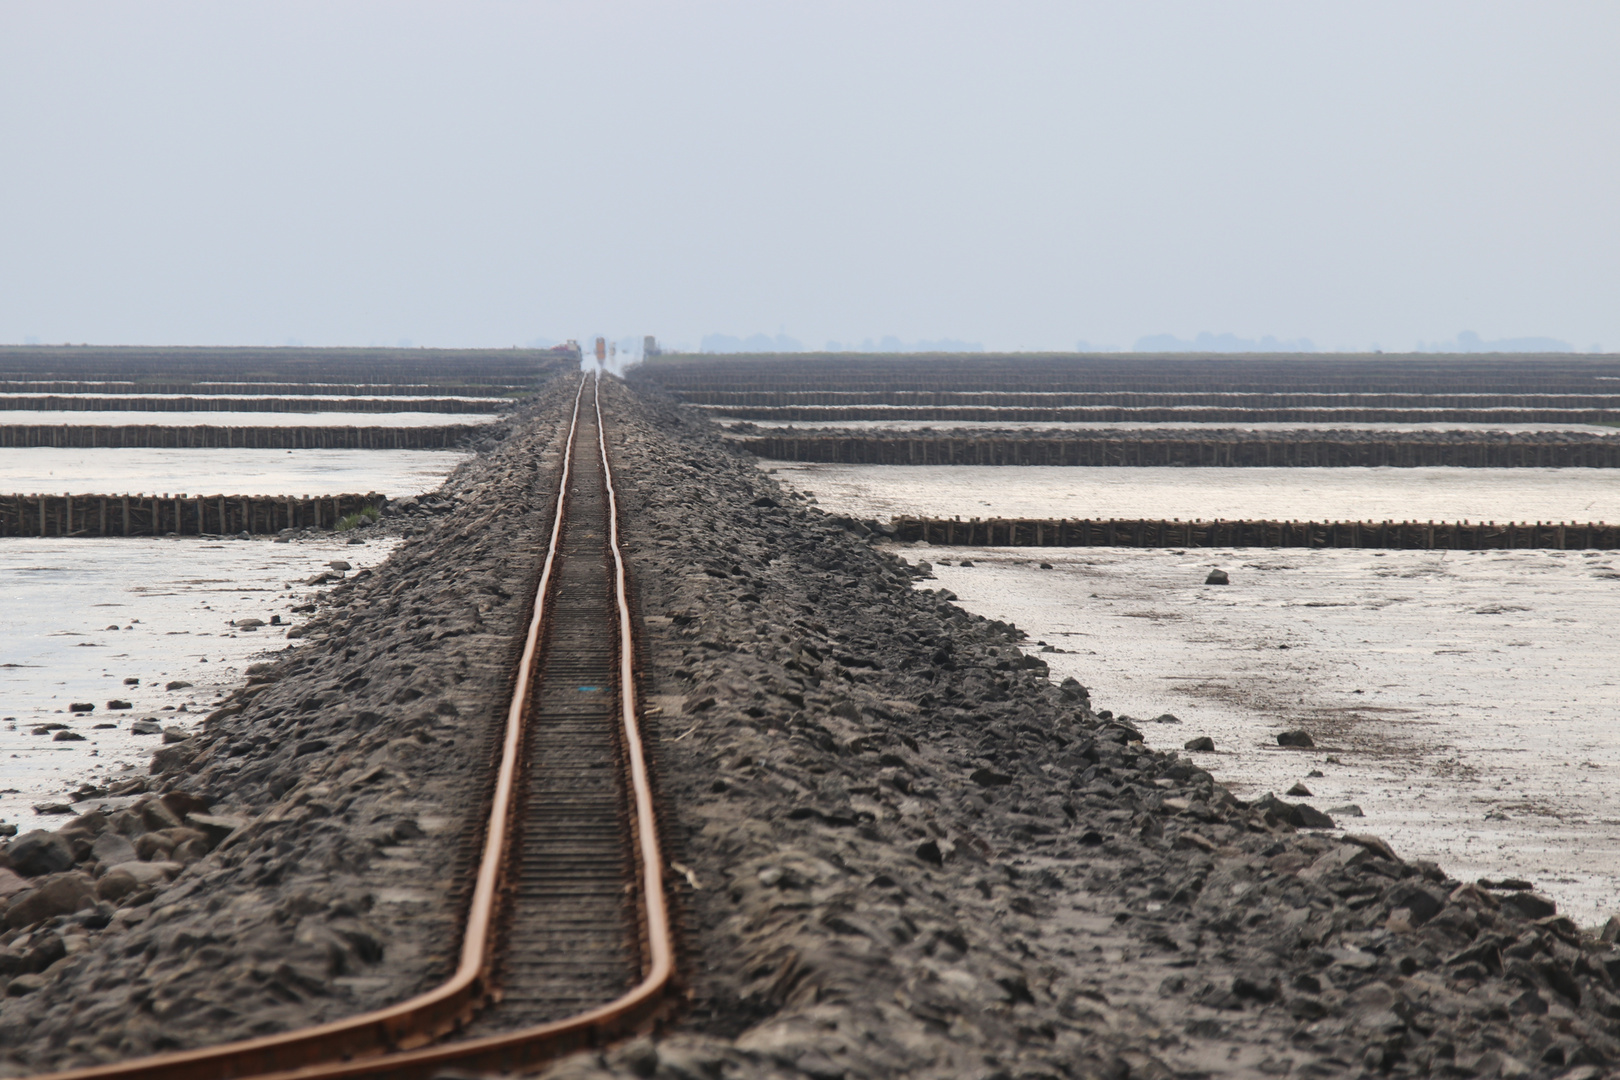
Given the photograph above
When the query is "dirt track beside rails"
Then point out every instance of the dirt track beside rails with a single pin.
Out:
(903, 850)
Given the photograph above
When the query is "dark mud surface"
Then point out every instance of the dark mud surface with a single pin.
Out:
(902, 849)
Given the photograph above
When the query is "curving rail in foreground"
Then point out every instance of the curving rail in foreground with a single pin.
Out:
(402, 1042)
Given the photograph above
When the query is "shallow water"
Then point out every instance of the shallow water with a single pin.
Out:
(1039, 491)
(1468, 703)
(106, 471)
(27, 417)
(83, 615)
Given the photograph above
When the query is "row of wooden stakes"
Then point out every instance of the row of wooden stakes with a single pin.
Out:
(180, 515)
(1160, 533)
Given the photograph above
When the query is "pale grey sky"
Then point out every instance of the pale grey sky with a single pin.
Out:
(1021, 174)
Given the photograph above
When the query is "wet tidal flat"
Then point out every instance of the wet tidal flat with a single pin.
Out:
(106, 470)
(1275, 494)
(85, 615)
(1466, 703)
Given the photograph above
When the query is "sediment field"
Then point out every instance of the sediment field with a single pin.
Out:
(903, 849)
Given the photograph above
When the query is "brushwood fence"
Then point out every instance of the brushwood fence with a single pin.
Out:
(1110, 414)
(201, 436)
(216, 403)
(1404, 535)
(181, 515)
(1557, 450)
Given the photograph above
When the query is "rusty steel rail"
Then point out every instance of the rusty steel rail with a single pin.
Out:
(394, 1042)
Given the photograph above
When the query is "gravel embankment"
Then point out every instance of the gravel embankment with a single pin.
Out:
(304, 861)
(918, 856)
(903, 850)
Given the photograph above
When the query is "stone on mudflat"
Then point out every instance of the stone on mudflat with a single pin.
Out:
(171, 759)
(12, 883)
(110, 849)
(1309, 817)
(40, 852)
(160, 844)
(1217, 577)
(67, 736)
(1421, 902)
(1203, 743)
(24, 984)
(1300, 791)
(1166, 718)
(156, 815)
(214, 827)
(1530, 905)
(145, 727)
(61, 894)
(1374, 845)
(125, 878)
(176, 684)
(181, 803)
(118, 703)
(82, 706)
(1295, 738)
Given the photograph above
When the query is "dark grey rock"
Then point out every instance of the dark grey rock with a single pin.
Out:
(1301, 739)
(111, 849)
(59, 894)
(40, 852)
(1530, 905)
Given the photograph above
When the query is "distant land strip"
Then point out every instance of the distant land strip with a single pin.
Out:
(1403, 535)
(1211, 449)
(203, 436)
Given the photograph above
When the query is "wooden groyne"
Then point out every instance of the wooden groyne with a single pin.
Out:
(215, 403)
(727, 401)
(182, 515)
(1110, 414)
(1404, 535)
(205, 388)
(1205, 449)
(201, 436)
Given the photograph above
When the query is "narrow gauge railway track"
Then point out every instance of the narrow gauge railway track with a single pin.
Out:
(567, 941)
